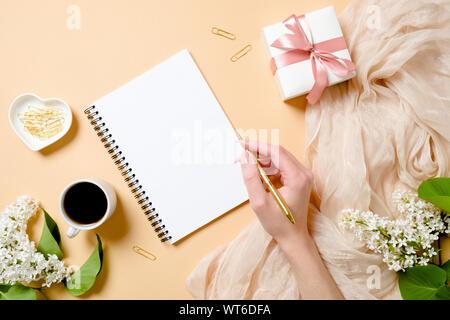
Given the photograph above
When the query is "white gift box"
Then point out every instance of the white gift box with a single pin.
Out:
(297, 79)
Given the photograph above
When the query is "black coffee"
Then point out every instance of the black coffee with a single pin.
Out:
(85, 203)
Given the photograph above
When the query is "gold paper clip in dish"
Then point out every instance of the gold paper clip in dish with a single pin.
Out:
(241, 53)
(223, 33)
(144, 253)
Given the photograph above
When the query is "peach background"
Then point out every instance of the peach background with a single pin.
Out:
(119, 40)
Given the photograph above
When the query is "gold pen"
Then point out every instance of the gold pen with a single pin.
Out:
(278, 198)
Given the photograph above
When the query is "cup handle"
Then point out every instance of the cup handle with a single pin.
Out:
(72, 232)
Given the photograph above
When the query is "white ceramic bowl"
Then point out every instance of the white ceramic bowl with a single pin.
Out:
(20, 104)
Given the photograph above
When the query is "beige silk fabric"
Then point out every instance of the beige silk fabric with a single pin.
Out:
(386, 129)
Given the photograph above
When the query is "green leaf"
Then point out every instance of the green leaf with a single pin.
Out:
(16, 292)
(4, 288)
(446, 267)
(421, 282)
(412, 244)
(443, 293)
(436, 191)
(50, 238)
(82, 280)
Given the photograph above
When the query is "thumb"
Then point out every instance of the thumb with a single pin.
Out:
(250, 173)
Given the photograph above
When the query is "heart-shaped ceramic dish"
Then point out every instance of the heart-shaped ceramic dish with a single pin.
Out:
(19, 106)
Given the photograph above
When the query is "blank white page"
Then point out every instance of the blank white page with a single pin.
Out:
(179, 143)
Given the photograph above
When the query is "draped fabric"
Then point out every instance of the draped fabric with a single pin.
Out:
(388, 128)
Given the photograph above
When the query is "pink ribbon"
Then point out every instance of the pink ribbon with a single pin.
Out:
(301, 48)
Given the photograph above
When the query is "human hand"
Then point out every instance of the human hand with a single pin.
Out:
(282, 167)
(313, 278)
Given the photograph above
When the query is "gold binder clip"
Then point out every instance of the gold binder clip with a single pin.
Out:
(223, 33)
(241, 53)
(144, 253)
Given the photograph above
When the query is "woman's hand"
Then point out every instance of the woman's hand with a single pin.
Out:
(314, 280)
(296, 183)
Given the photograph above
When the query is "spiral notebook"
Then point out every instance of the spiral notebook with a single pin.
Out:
(174, 146)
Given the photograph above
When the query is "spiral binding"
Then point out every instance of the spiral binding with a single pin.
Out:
(126, 171)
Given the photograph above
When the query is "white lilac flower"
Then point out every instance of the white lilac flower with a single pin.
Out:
(19, 259)
(405, 242)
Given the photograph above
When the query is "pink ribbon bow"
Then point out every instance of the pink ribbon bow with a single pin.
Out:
(302, 48)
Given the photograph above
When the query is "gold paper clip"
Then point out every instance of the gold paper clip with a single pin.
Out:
(144, 253)
(223, 33)
(241, 53)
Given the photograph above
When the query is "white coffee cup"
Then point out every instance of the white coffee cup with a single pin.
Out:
(111, 199)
